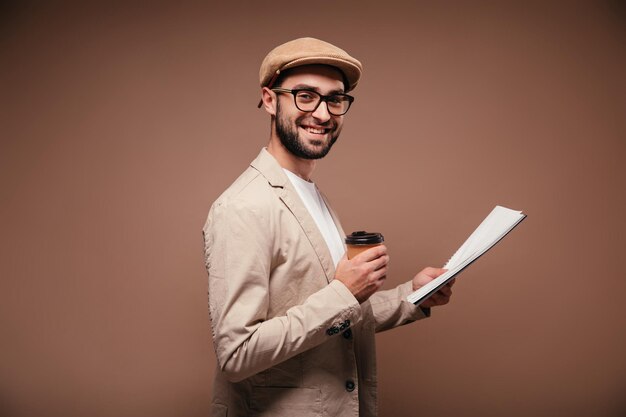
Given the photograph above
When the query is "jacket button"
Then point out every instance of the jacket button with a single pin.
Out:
(350, 385)
(332, 330)
(347, 334)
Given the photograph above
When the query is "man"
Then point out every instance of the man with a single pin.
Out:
(293, 320)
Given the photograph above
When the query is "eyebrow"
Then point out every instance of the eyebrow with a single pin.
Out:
(317, 90)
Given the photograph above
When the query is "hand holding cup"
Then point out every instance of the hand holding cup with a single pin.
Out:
(364, 269)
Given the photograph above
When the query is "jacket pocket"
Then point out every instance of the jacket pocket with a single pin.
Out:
(286, 402)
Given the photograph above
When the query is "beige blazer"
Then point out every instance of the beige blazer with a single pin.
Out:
(289, 340)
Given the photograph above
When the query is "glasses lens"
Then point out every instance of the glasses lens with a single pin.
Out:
(338, 104)
(307, 100)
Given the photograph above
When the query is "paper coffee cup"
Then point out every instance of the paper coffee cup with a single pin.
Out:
(357, 242)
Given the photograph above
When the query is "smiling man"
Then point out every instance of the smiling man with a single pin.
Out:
(293, 320)
(313, 125)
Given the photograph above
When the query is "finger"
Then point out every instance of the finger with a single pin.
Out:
(438, 299)
(435, 298)
(446, 291)
(429, 302)
(378, 263)
(380, 283)
(378, 274)
(433, 272)
(371, 253)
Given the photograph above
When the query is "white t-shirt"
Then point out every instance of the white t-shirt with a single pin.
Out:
(314, 203)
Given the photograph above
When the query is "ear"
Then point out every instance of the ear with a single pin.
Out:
(268, 99)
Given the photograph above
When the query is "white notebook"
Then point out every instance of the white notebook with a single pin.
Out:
(496, 225)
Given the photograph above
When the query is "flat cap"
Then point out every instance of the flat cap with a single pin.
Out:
(306, 51)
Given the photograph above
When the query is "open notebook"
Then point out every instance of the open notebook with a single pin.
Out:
(496, 225)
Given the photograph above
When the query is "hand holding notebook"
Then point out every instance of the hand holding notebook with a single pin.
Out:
(496, 225)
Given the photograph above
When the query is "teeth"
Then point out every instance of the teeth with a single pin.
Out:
(314, 130)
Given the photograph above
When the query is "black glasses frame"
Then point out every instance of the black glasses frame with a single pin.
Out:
(322, 98)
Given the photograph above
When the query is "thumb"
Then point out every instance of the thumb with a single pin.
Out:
(433, 272)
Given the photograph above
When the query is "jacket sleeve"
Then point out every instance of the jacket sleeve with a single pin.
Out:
(239, 258)
(391, 309)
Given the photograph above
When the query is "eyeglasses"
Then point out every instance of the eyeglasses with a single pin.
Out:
(309, 100)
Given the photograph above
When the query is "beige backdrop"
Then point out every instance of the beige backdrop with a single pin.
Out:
(120, 125)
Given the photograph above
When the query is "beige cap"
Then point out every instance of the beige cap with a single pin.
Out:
(305, 51)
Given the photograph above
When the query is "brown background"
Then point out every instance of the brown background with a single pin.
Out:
(120, 126)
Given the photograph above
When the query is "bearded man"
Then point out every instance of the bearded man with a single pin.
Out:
(293, 320)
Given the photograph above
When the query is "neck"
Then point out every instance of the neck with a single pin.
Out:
(301, 167)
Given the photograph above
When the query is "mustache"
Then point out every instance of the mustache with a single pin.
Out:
(329, 124)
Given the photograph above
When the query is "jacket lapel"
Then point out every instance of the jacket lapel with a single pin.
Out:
(272, 171)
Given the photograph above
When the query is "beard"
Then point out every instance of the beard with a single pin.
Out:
(290, 138)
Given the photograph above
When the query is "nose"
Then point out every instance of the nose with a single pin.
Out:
(321, 113)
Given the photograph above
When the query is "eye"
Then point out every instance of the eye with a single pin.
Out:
(306, 96)
(335, 100)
